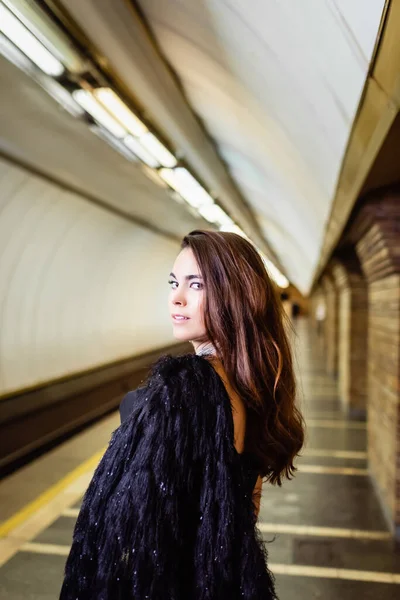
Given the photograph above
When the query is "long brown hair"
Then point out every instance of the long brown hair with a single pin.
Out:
(244, 320)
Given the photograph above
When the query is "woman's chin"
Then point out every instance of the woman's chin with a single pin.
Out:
(181, 335)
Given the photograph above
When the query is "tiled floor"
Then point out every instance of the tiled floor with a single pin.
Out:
(328, 537)
(325, 500)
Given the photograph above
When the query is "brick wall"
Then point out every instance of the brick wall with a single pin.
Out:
(352, 332)
(331, 324)
(377, 229)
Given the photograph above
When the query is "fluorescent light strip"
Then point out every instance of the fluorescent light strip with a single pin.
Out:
(186, 185)
(50, 85)
(120, 111)
(25, 41)
(60, 94)
(15, 56)
(234, 229)
(145, 145)
(100, 114)
(115, 143)
(154, 176)
(133, 144)
(47, 32)
(275, 273)
(272, 270)
(158, 150)
(215, 214)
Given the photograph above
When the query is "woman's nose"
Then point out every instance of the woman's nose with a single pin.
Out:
(179, 300)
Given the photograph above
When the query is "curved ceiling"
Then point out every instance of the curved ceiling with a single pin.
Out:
(37, 132)
(277, 85)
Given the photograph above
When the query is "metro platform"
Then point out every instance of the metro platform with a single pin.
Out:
(326, 532)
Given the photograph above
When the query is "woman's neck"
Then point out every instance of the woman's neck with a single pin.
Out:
(204, 348)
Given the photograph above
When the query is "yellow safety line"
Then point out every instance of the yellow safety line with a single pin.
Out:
(49, 494)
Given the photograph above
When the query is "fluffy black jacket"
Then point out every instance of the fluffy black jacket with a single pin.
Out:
(167, 515)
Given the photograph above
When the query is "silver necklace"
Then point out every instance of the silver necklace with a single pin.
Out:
(207, 348)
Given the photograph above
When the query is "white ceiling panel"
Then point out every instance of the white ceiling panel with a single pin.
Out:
(277, 84)
(116, 30)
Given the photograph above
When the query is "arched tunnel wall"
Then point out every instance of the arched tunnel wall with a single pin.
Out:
(79, 286)
(83, 310)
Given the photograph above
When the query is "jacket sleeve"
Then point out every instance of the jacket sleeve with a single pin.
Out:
(127, 405)
(165, 516)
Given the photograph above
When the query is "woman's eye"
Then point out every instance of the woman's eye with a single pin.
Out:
(172, 284)
(199, 284)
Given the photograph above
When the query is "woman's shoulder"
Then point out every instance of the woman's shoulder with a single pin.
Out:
(127, 404)
(171, 374)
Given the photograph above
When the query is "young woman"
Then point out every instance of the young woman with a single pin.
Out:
(171, 510)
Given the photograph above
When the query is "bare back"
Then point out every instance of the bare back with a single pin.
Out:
(239, 427)
(238, 409)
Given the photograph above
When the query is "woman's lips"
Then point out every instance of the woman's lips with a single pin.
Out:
(179, 318)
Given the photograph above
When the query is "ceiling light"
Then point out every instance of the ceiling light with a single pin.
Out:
(15, 56)
(154, 176)
(60, 94)
(158, 150)
(113, 142)
(25, 41)
(52, 87)
(47, 32)
(136, 147)
(120, 111)
(274, 272)
(99, 114)
(188, 187)
(234, 229)
(215, 214)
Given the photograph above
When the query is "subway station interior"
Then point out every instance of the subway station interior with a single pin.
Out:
(126, 124)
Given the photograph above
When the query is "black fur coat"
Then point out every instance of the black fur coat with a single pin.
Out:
(167, 515)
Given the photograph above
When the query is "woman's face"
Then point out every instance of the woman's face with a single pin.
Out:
(186, 299)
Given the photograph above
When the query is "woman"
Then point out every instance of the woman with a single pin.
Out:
(171, 510)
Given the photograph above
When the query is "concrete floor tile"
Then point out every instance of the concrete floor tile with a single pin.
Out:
(310, 588)
(60, 532)
(31, 577)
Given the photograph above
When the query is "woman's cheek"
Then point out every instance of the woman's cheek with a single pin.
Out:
(201, 311)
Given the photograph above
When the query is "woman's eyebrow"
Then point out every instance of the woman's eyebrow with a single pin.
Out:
(188, 277)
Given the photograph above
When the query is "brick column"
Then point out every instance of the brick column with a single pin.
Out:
(352, 332)
(316, 297)
(378, 231)
(331, 324)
